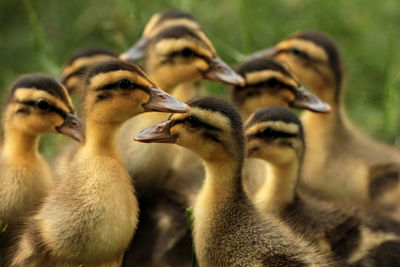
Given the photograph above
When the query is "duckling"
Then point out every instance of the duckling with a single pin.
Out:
(36, 104)
(276, 135)
(177, 54)
(342, 163)
(269, 83)
(73, 77)
(228, 231)
(90, 218)
(73, 73)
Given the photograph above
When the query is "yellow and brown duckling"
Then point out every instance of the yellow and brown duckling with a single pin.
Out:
(37, 104)
(74, 72)
(156, 24)
(342, 163)
(228, 231)
(269, 83)
(175, 55)
(348, 233)
(90, 217)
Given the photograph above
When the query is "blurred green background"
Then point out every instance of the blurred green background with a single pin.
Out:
(39, 36)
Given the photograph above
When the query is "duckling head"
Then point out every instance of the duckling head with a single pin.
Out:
(315, 59)
(156, 24)
(180, 54)
(73, 74)
(38, 104)
(117, 90)
(276, 135)
(271, 83)
(212, 129)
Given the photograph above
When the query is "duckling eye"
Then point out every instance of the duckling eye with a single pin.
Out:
(268, 133)
(192, 122)
(124, 84)
(295, 51)
(273, 83)
(42, 104)
(187, 52)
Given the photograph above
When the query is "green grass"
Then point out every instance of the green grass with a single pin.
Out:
(40, 35)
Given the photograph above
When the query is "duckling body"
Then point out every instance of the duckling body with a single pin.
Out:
(345, 231)
(77, 223)
(228, 230)
(26, 178)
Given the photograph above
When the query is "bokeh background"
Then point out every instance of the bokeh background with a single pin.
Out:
(40, 35)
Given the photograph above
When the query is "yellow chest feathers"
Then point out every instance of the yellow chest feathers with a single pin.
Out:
(22, 186)
(92, 215)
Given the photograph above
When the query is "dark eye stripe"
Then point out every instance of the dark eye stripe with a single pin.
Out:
(114, 86)
(272, 134)
(51, 108)
(171, 55)
(264, 84)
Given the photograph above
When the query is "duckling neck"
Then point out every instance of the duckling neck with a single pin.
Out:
(279, 188)
(326, 122)
(19, 145)
(223, 179)
(101, 137)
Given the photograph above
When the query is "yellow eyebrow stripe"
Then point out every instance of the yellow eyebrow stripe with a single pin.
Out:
(105, 78)
(166, 46)
(280, 126)
(152, 29)
(260, 76)
(29, 94)
(308, 47)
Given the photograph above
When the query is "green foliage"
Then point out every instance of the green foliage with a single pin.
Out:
(40, 35)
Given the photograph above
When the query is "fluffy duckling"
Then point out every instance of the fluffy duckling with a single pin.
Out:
(177, 54)
(77, 225)
(37, 104)
(228, 231)
(341, 163)
(156, 24)
(73, 73)
(73, 77)
(276, 136)
(269, 83)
